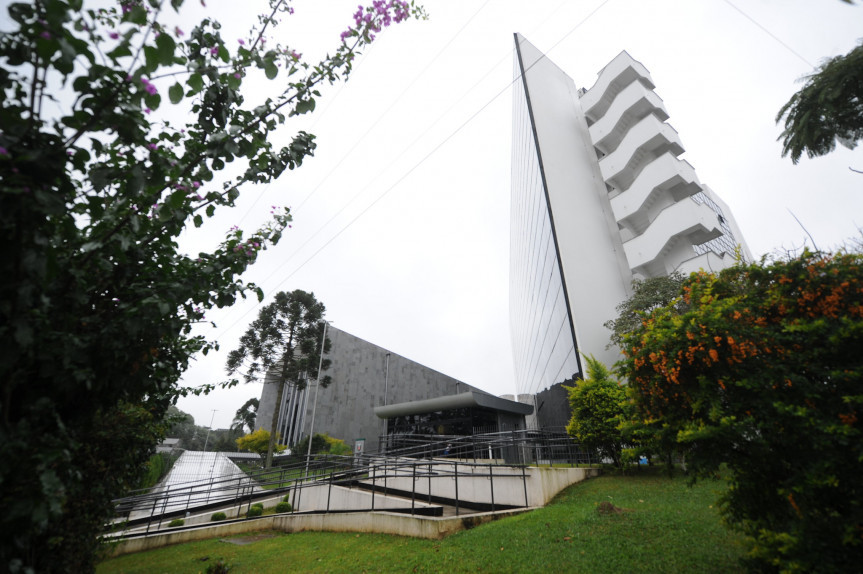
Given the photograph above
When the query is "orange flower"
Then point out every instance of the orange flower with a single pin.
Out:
(713, 354)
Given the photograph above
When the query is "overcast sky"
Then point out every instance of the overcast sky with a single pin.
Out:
(402, 217)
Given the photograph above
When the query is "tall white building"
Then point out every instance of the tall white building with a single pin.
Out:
(599, 197)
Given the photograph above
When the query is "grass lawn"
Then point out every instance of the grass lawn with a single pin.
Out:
(666, 527)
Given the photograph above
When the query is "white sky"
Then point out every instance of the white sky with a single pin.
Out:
(423, 129)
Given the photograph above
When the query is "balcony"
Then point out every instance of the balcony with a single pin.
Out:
(613, 78)
(709, 261)
(630, 106)
(663, 181)
(686, 222)
(647, 140)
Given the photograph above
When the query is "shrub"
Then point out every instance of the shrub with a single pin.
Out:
(258, 505)
(284, 507)
(762, 374)
(176, 522)
(255, 510)
(218, 516)
(287, 497)
(219, 567)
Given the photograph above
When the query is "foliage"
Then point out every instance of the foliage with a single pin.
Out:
(283, 346)
(828, 108)
(668, 527)
(286, 498)
(218, 516)
(321, 444)
(254, 510)
(246, 415)
(258, 442)
(647, 295)
(597, 405)
(218, 567)
(763, 373)
(284, 507)
(157, 468)
(176, 522)
(98, 300)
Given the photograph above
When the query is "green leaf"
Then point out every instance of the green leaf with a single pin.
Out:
(153, 101)
(211, 209)
(196, 83)
(175, 93)
(151, 58)
(198, 220)
(304, 106)
(270, 69)
(165, 45)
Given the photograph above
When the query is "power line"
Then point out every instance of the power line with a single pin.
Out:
(771, 34)
(386, 192)
(392, 105)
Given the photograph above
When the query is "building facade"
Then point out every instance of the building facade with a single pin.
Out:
(364, 377)
(599, 197)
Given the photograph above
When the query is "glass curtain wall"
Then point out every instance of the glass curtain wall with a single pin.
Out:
(543, 347)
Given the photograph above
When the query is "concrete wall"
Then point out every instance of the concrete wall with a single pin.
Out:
(512, 486)
(543, 484)
(345, 409)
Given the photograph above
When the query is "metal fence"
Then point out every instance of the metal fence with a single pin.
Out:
(414, 474)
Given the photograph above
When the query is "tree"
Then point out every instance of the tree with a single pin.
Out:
(647, 295)
(259, 442)
(828, 108)
(597, 405)
(246, 415)
(763, 374)
(283, 346)
(98, 300)
(322, 444)
(647, 437)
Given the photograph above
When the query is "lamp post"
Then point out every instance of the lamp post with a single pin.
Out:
(315, 403)
(208, 430)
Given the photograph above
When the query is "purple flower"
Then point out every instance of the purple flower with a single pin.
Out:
(177, 31)
(237, 75)
(241, 41)
(46, 34)
(295, 55)
(153, 146)
(346, 34)
(147, 110)
(196, 184)
(151, 89)
(3, 151)
(214, 50)
(114, 35)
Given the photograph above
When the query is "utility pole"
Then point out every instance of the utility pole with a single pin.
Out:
(208, 430)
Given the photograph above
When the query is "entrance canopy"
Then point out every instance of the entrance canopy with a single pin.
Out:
(469, 399)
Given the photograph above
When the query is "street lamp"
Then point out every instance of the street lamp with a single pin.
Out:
(208, 430)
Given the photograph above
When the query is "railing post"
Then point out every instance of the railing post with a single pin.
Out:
(491, 485)
(430, 476)
(373, 469)
(524, 482)
(455, 466)
(152, 512)
(414, 488)
(329, 490)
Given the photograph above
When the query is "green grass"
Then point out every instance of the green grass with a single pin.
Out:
(667, 527)
(278, 478)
